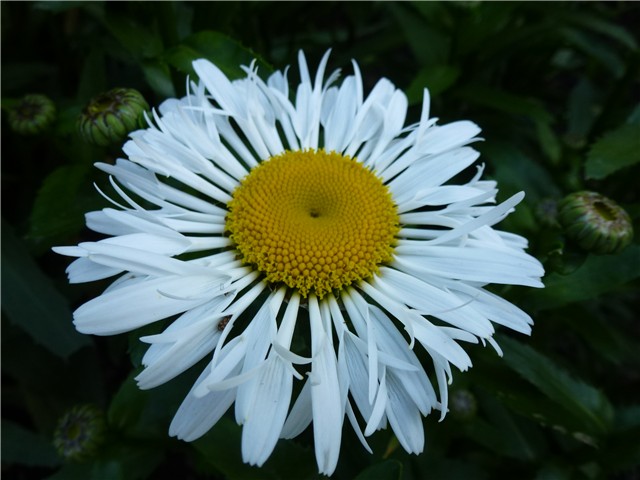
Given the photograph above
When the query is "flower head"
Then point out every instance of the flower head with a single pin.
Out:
(110, 116)
(80, 432)
(256, 217)
(596, 223)
(32, 114)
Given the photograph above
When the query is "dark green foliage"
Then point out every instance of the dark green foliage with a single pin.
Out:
(555, 88)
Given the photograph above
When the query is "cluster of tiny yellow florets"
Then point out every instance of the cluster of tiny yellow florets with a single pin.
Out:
(314, 220)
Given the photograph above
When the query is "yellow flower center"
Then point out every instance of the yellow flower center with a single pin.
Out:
(314, 220)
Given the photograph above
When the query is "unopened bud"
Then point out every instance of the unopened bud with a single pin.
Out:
(80, 433)
(32, 114)
(110, 116)
(596, 223)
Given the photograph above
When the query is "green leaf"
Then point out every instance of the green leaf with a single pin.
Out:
(93, 78)
(435, 466)
(221, 448)
(513, 168)
(75, 471)
(58, 6)
(506, 102)
(525, 399)
(506, 434)
(574, 396)
(611, 344)
(121, 460)
(128, 460)
(584, 107)
(20, 76)
(24, 447)
(437, 79)
(140, 40)
(616, 150)
(128, 405)
(31, 301)
(216, 47)
(549, 142)
(148, 413)
(158, 77)
(634, 116)
(45, 384)
(628, 418)
(518, 105)
(623, 449)
(386, 470)
(593, 47)
(57, 214)
(554, 472)
(596, 276)
(604, 27)
(429, 46)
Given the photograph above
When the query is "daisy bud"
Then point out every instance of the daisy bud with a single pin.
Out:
(32, 114)
(110, 116)
(595, 222)
(463, 405)
(80, 432)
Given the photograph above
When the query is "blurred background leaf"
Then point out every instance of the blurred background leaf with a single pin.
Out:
(31, 302)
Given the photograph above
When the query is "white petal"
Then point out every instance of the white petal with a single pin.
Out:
(263, 426)
(404, 417)
(259, 335)
(430, 300)
(485, 265)
(301, 414)
(426, 172)
(144, 302)
(183, 354)
(84, 270)
(379, 406)
(356, 427)
(196, 416)
(428, 334)
(358, 374)
(415, 381)
(328, 412)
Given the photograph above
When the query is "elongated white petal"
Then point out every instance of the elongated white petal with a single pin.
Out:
(301, 414)
(85, 270)
(264, 424)
(404, 417)
(259, 335)
(358, 374)
(180, 356)
(144, 302)
(197, 415)
(475, 265)
(379, 406)
(328, 413)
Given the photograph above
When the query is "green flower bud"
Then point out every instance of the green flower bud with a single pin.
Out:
(596, 223)
(32, 114)
(463, 405)
(110, 116)
(80, 432)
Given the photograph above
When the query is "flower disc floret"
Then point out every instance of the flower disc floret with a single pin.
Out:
(316, 221)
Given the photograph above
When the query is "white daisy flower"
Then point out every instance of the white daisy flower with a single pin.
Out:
(252, 217)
